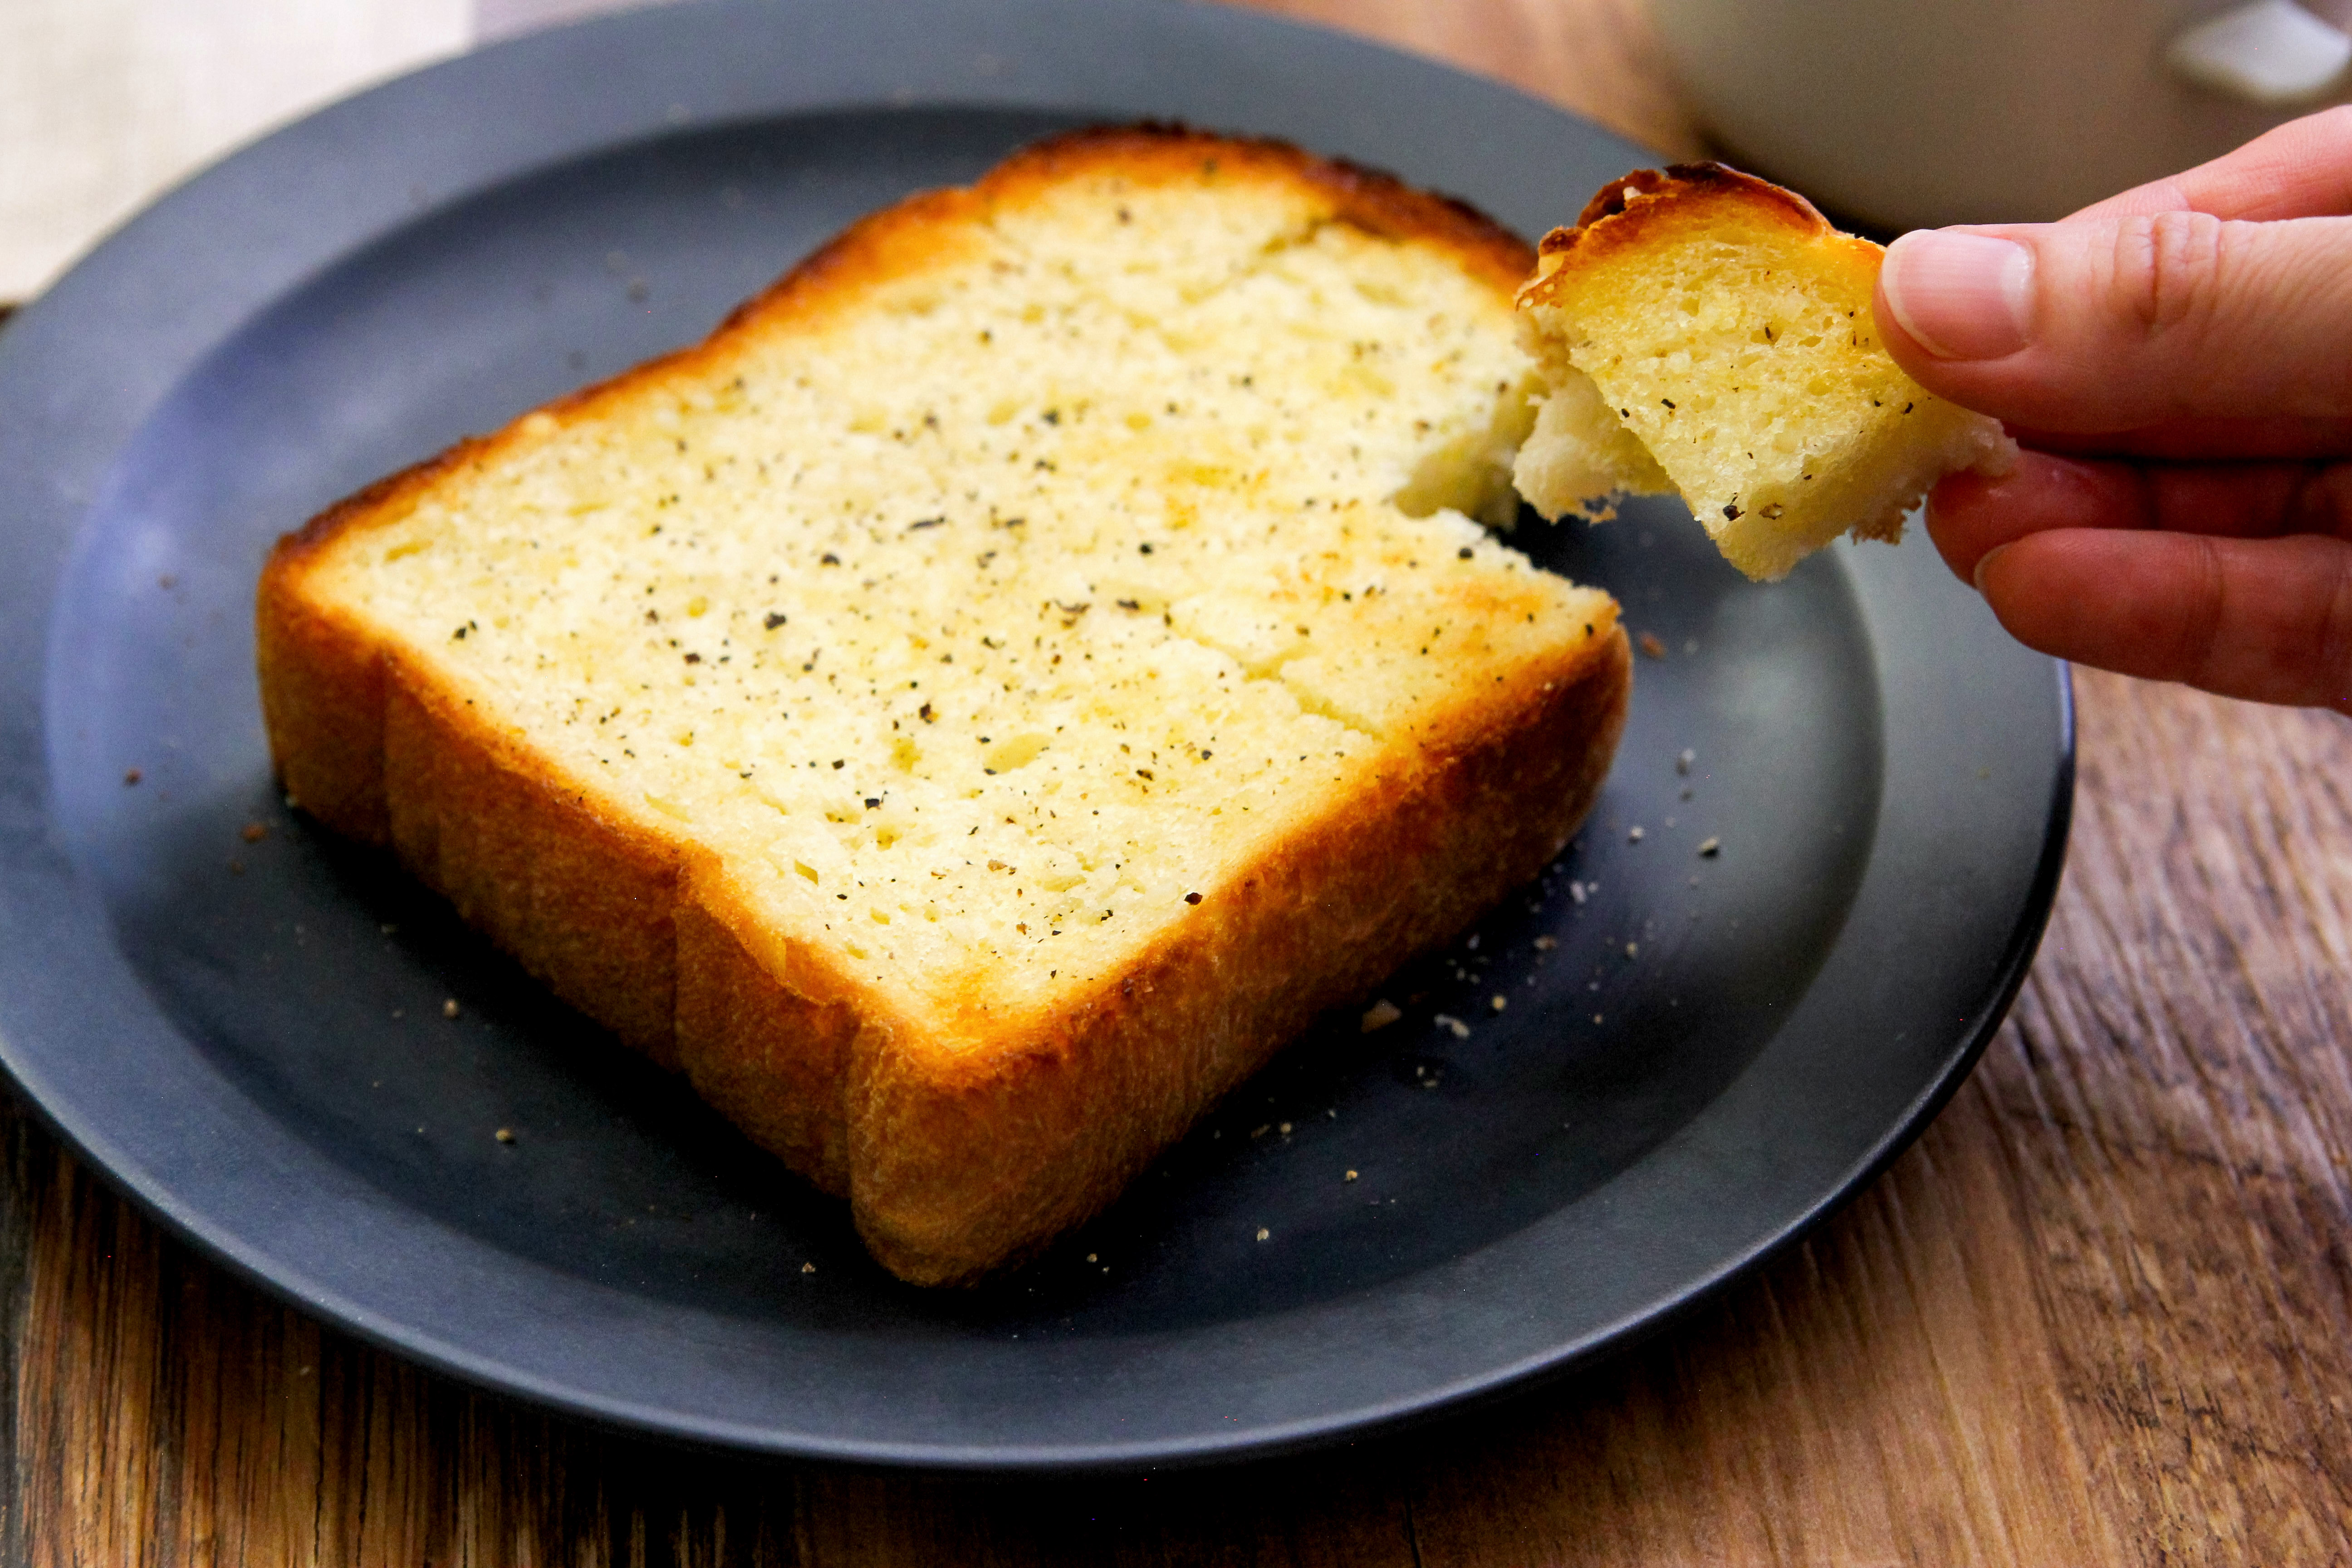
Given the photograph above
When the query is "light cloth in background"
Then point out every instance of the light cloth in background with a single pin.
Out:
(105, 103)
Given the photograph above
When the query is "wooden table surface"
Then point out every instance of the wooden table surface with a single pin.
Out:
(2101, 1313)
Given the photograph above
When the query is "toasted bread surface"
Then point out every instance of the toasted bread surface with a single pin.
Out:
(970, 710)
(1705, 332)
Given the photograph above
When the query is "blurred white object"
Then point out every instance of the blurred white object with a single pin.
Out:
(2273, 51)
(105, 102)
(1905, 113)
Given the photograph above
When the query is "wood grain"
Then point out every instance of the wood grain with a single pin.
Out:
(1597, 57)
(2101, 1313)
(2177, 1102)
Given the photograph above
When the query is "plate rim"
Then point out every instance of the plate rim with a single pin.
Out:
(122, 256)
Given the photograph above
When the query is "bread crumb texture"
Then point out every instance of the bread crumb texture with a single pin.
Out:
(1703, 333)
(972, 630)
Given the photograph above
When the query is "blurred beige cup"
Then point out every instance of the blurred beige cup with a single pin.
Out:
(1907, 114)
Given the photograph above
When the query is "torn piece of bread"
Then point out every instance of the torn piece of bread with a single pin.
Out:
(1702, 331)
(970, 711)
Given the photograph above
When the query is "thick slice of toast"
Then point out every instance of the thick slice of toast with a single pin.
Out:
(1704, 332)
(970, 711)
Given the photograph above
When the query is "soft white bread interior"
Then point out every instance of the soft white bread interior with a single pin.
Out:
(1702, 331)
(970, 711)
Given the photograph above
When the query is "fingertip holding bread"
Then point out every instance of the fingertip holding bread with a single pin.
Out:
(969, 711)
(1704, 333)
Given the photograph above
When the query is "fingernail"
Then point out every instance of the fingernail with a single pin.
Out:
(1961, 296)
(1983, 562)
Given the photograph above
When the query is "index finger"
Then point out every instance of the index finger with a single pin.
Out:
(2301, 169)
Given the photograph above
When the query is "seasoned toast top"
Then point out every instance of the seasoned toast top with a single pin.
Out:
(993, 589)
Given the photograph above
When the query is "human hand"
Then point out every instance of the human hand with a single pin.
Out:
(2177, 362)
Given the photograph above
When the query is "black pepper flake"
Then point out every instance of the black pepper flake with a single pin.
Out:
(694, 658)
(1732, 511)
(926, 522)
(775, 618)
(1667, 401)
(1128, 604)
(839, 762)
(1144, 547)
(1053, 417)
(1191, 898)
(1143, 773)
(872, 801)
(926, 715)
(1463, 552)
(828, 559)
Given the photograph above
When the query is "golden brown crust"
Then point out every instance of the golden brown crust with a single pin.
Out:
(322, 674)
(585, 898)
(956, 1153)
(1686, 181)
(1628, 213)
(1370, 199)
(768, 1029)
(323, 706)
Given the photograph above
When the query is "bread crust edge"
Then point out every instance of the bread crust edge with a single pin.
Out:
(1629, 212)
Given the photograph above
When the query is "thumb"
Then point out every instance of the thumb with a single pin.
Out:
(2112, 323)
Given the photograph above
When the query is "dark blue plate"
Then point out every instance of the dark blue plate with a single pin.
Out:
(242, 1021)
